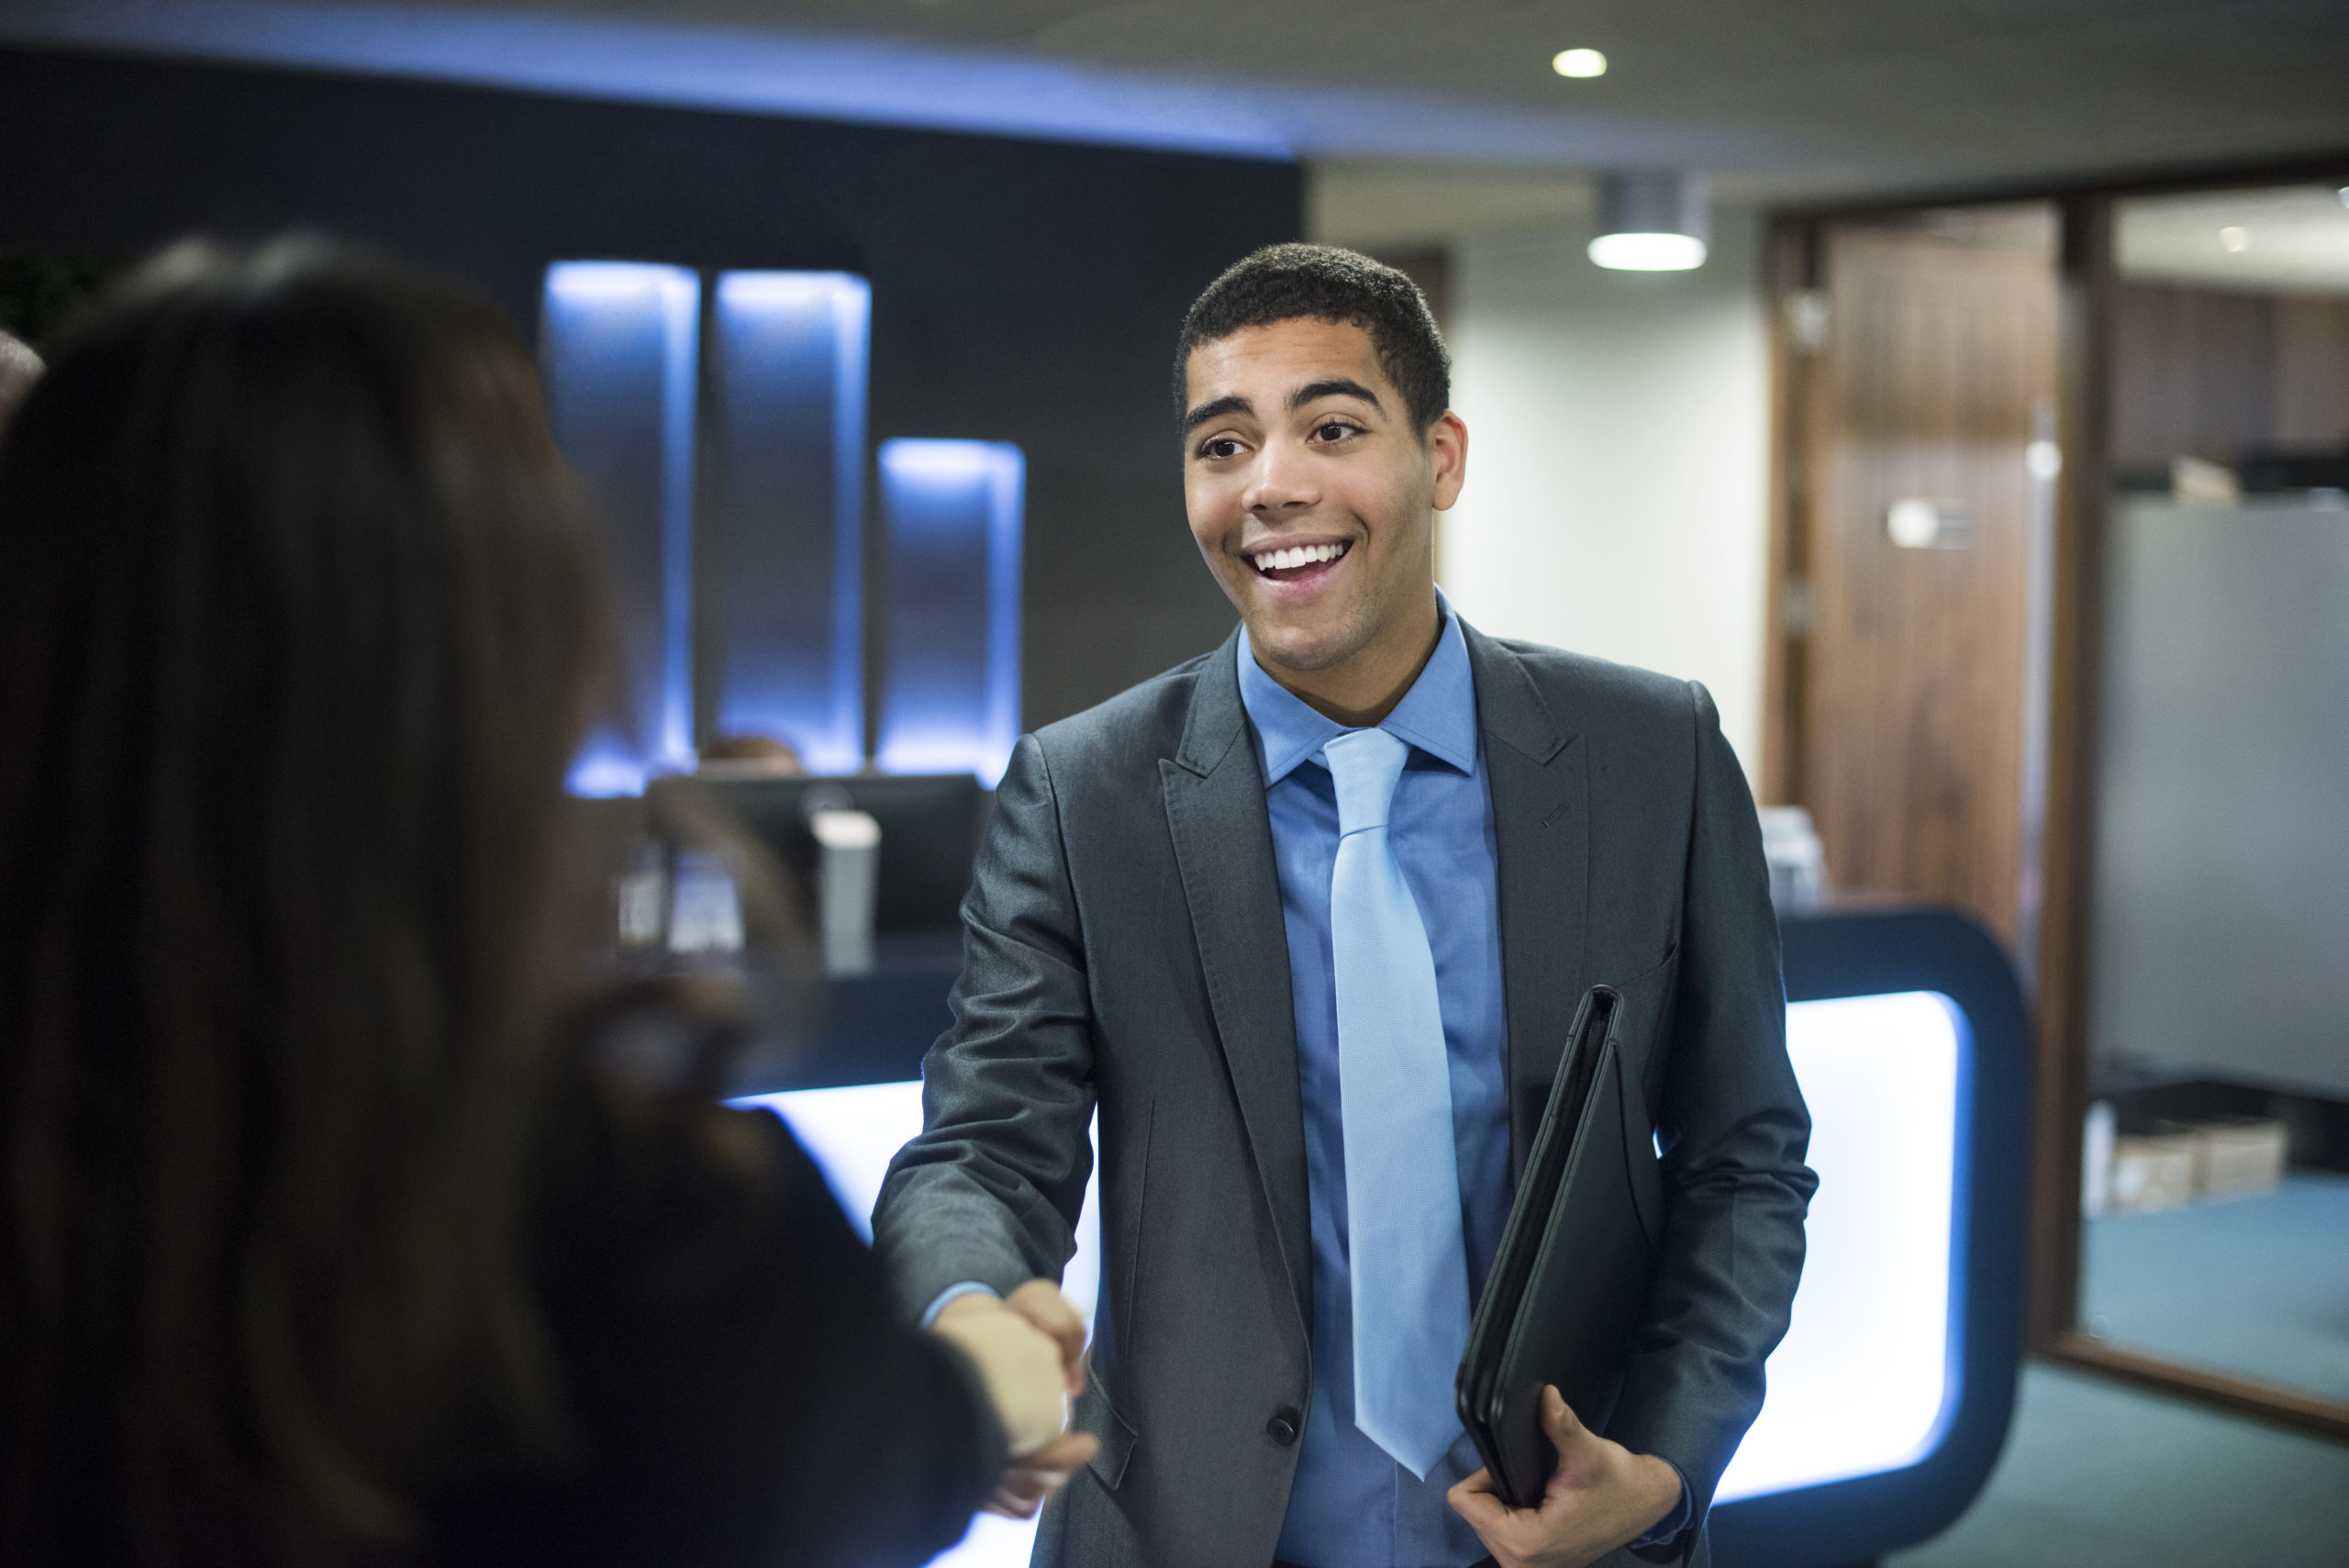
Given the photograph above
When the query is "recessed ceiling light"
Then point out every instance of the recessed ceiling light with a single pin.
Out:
(1647, 252)
(2233, 238)
(1578, 62)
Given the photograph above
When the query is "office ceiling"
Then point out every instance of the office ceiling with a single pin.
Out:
(1778, 99)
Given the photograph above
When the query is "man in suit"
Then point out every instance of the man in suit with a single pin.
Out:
(1307, 920)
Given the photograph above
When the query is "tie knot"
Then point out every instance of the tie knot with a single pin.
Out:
(1365, 764)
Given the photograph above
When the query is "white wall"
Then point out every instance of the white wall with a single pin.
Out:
(1617, 501)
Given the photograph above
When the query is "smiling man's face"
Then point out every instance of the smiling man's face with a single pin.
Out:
(1312, 496)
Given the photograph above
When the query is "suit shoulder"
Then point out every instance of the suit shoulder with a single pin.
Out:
(1601, 689)
(1141, 723)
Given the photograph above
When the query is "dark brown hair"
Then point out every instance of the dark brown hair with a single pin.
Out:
(1324, 282)
(299, 624)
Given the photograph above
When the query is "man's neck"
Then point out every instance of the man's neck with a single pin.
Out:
(1363, 690)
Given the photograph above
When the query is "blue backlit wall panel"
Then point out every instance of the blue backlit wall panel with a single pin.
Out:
(782, 520)
(950, 700)
(620, 343)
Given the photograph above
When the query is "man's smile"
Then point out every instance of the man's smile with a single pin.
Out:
(1297, 562)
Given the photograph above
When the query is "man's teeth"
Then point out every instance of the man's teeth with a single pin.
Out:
(1297, 555)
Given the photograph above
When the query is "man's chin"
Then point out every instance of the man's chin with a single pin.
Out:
(1303, 649)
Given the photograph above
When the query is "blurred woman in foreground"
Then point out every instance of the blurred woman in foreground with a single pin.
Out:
(320, 1241)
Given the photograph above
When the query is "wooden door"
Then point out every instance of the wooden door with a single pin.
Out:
(1930, 373)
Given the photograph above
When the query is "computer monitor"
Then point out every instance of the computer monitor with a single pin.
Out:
(930, 835)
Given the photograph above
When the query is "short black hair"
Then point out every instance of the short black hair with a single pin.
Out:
(1323, 282)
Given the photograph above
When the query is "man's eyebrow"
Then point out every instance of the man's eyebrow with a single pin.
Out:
(1339, 387)
(1216, 408)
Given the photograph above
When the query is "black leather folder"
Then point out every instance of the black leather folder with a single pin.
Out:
(1570, 1282)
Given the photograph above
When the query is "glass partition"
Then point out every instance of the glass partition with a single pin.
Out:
(2215, 1183)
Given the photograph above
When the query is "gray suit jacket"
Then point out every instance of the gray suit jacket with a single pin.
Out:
(1124, 949)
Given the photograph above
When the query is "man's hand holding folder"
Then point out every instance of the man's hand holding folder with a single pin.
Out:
(1566, 1292)
(1601, 1496)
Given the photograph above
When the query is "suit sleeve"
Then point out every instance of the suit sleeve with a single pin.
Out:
(989, 1192)
(1736, 1132)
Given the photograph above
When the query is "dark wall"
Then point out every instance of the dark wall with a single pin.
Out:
(1022, 291)
(2209, 372)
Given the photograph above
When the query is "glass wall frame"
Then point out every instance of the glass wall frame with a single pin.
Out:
(2061, 950)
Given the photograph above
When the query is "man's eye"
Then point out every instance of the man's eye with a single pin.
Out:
(1221, 446)
(1334, 431)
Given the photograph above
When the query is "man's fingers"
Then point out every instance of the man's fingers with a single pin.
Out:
(1064, 1454)
(1029, 1484)
(1019, 1495)
(1559, 1421)
(1482, 1507)
(1008, 1505)
(1020, 1367)
(1041, 1302)
(1032, 1478)
(1032, 1485)
(1480, 1482)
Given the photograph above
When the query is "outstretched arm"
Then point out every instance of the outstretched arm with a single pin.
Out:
(989, 1192)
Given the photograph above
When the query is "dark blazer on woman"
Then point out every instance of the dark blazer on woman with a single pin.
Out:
(737, 1387)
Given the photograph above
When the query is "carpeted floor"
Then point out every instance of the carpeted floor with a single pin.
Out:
(2258, 1285)
(2096, 1473)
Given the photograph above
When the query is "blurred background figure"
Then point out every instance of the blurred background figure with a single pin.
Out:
(752, 756)
(19, 368)
(327, 1231)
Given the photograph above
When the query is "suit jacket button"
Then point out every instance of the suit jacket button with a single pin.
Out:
(1282, 1428)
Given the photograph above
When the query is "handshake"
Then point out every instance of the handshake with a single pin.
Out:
(1030, 1351)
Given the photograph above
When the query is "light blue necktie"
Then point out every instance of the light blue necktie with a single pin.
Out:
(1408, 1264)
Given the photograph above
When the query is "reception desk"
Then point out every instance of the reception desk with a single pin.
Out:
(1890, 1398)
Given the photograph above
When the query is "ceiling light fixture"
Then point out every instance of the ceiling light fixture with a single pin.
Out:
(2234, 238)
(1651, 222)
(1578, 62)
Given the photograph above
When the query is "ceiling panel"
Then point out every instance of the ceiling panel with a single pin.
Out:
(1787, 100)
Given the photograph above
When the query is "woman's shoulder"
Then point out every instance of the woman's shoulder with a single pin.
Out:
(736, 1385)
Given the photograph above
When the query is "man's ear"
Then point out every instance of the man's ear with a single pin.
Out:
(1447, 441)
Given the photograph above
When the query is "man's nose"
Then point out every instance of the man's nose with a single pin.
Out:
(1282, 480)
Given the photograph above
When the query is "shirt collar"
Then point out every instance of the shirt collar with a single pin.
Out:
(1438, 715)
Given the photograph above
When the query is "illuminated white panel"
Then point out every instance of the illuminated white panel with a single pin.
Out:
(620, 351)
(950, 700)
(783, 521)
(1864, 1380)
(1866, 1376)
(852, 1134)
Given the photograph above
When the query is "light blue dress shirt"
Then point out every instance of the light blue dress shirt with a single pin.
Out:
(1351, 1505)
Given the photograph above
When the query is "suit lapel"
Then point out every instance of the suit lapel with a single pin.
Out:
(1541, 837)
(1224, 844)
